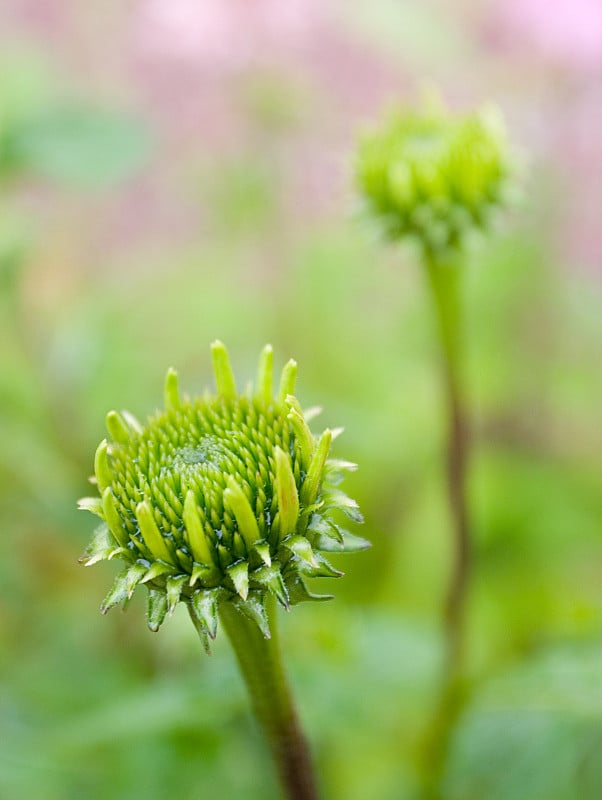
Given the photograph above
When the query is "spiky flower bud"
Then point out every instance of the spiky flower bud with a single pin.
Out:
(434, 176)
(219, 499)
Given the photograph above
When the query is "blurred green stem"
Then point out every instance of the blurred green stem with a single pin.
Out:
(444, 281)
(261, 664)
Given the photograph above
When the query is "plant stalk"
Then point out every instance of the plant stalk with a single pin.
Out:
(444, 280)
(261, 665)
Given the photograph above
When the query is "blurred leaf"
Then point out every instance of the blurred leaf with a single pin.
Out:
(534, 733)
(82, 146)
(26, 87)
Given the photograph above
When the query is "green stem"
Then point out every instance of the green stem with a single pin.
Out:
(261, 664)
(444, 280)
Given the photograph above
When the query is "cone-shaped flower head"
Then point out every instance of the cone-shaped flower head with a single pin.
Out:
(219, 499)
(434, 176)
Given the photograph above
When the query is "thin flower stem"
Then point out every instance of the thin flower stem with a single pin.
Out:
(444, 280)
(261, 664)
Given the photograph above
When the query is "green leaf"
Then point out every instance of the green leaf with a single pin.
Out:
(533, 732)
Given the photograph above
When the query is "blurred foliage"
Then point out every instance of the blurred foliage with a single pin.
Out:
(94, 707)
(46, 133)
(81, 146)
(533, 732)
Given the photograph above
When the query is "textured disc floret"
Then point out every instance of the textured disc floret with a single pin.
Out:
(223, 498)
(433, 176)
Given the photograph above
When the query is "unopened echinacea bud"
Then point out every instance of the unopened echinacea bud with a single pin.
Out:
(219, 499)
(435, 176)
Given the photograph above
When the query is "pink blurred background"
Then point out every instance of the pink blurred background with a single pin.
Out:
(285, 86)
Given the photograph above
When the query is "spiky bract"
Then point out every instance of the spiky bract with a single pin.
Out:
(434, 176)
(219, 499)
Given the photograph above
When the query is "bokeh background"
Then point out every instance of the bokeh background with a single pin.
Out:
(172, 171)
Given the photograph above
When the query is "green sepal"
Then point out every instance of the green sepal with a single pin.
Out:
(270, 578)
(322, 528)
(207, 575)
(348, 543)
(204, 607)
(260, 553)
(335, 468)
(322, 569)
(339, 500)
(254, 609)
(156, 609)
(124, 586)
(156, 569)
(101, 547)
(173, 590)
(298, 591)
(239, 575)
(300, 547)
(91, 504)
(200, 628)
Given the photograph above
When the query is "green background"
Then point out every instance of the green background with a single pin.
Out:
(100, 293)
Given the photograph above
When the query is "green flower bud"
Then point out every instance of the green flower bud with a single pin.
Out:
(219, 499)
(433, 176)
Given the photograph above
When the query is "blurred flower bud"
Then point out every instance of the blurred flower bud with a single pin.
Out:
(434, 176)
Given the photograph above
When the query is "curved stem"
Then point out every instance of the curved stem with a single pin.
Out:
(444, 281)
(261, 664)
